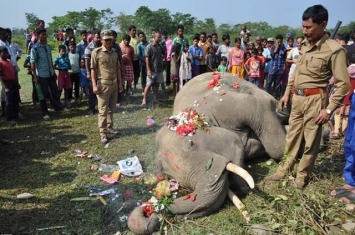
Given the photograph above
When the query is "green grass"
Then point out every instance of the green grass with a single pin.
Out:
(42, 162)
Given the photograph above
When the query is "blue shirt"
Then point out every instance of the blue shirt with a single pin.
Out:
(62, 63)
(80, 48)
(141, 51)
(41, 57)
(279, 59)
(196, 51)
(267, 55)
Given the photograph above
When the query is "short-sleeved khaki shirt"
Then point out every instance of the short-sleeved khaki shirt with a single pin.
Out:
(317, 64)
(106, 63)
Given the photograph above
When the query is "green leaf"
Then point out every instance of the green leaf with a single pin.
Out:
(209, 164)
(276, 226)
(83, 199)
(283, 197)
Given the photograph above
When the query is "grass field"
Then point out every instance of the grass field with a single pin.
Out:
(42, 162)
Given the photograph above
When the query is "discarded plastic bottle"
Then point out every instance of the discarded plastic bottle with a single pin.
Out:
(108, 168)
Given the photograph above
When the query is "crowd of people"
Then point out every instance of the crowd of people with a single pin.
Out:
(109, 72)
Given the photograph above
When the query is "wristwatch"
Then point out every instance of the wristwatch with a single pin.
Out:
(328, 111)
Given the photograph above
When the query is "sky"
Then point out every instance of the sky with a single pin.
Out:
(274, 12)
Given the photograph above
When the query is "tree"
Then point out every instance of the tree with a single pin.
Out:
(224, 29)
(187, 20)
(107, 18)
(143, 18)
(32, 20)
(91, 19)
(347, 28)
(72, 19)
(123, 21)
(210, 26)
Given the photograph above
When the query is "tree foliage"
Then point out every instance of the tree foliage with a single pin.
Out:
(88, 19)
(146, 19)
(32, 20)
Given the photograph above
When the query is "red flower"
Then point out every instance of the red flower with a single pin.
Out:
(148, 209)
(236, 85)
(160, 178)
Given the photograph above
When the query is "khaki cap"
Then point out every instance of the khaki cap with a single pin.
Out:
(271, 40)
(106, 34)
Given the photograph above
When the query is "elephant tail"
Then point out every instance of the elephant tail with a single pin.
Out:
(138, 223)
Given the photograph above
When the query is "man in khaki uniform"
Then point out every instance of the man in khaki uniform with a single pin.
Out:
(320, 58)
(106, 82)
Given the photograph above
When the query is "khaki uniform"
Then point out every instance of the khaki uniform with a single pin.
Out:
(315, 66)
(107, 65)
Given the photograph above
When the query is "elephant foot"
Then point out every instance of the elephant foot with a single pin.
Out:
(138, 223)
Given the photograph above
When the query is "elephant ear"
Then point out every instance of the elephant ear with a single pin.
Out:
(140, 224)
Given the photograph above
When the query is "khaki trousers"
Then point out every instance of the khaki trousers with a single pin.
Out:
(303, 129)
(106, 103)
(340, 123)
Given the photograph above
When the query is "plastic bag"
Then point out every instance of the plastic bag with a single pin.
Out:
(108, 168)
(130, 166)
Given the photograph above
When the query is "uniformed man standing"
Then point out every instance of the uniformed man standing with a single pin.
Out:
(106, 82)
(320, 58)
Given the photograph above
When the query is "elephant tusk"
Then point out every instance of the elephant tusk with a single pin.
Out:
(239, 204)
(242, 173)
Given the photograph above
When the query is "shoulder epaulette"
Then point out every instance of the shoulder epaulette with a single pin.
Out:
(333, 45)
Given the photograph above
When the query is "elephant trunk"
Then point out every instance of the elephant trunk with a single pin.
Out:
(272, 135)
(140, 224)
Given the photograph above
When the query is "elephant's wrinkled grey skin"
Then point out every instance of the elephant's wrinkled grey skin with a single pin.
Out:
(243, 126)
(245, 110)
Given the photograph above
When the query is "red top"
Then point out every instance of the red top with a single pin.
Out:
(127, 54)
(7, 71)
(254, 67)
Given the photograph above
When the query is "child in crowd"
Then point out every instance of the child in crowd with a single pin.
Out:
(223, 50)
(211, 59)
(197, 54)
(262, 69)
(247, 55)
(175, 65)
(127, 61)
(69, 37)
(27, 64)
(83, 79)
(222, 68)
(250, 46)
(10, 86)
(74, 71)
(236, 59)
(252, 67)
(185, 66)
(62, 63)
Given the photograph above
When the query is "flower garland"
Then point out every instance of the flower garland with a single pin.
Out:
(215, 80)
(187, 122)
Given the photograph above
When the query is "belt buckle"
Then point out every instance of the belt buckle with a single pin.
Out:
(300, 92)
